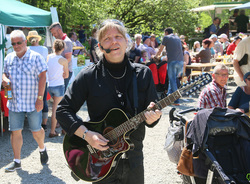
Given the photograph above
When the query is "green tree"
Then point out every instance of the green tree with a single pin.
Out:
(144, 16)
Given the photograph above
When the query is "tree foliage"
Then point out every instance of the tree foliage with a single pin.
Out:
(139, 16)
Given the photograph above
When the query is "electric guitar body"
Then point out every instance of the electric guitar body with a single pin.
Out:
(90, 164)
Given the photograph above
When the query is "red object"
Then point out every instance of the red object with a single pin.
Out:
(64, 36)
(162, 72)
(231, 47)
(48, 96)
(4, 107)
(153, 68)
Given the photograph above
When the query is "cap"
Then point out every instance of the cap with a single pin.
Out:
(213, 36)
(246, 75)
(237, 37)
(223, 35)
(144, 38)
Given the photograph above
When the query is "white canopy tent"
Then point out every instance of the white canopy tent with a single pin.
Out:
(217, 7)
(243, 6)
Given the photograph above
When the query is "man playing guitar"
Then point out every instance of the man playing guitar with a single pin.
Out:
(113, 88)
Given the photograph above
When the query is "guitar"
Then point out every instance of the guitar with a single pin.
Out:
(93, 165)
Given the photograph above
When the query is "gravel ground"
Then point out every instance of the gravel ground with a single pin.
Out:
(158, 168)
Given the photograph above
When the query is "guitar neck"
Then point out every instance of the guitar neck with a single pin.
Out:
(139, 118)
(135, 121)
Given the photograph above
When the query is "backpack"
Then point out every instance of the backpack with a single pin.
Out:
(207, 32)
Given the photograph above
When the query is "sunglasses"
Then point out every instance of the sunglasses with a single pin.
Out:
(222, 75)
(18, 43)
(115, 21)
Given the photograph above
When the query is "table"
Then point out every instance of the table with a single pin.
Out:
(77, 48)
(224, 58)
(202, 66)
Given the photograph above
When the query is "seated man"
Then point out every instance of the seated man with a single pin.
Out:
(241, 97)
(214, 94)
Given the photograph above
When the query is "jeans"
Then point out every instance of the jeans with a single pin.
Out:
(175, 70)
(57, 91)
(16, 120)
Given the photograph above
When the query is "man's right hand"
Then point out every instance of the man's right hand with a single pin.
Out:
(96, 140)
(5, 81)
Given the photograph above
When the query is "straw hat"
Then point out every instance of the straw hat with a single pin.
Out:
(33, 34)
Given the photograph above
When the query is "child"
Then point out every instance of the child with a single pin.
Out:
(144, 56)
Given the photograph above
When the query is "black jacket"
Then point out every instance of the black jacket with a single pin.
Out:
(94, 86)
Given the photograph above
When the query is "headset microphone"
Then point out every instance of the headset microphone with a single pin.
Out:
(106, 50)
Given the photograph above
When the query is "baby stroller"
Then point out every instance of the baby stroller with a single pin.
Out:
(220, 143)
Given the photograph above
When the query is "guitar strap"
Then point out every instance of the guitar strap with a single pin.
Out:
(135, 92)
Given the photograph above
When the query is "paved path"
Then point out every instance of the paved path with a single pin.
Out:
(158, 169)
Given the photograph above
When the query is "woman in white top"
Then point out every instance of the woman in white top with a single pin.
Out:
(57, 71)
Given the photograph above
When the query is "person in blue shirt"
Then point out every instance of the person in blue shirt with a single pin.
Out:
(241, 97)
(215, 26)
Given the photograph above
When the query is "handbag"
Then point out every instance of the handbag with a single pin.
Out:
(244, 60)
(174, 142)
(185, 164)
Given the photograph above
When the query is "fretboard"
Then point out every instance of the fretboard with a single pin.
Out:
(134, 122)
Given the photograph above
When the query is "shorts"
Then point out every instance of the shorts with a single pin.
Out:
(16, 120)
(57, 91)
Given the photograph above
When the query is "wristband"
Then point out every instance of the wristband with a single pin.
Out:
(84, 134)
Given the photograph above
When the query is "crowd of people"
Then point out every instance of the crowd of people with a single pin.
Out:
(125, 74)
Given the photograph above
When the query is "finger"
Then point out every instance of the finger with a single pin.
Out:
(158, 112)
(103, 139)
(152, 104)
(102, 148)
(153, 115)
(149, 115)
(102, 142)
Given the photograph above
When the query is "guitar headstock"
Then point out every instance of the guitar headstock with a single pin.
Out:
(195, 85)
